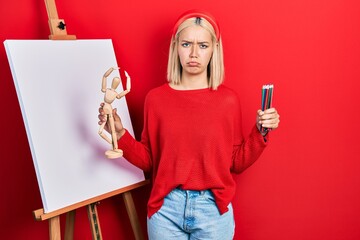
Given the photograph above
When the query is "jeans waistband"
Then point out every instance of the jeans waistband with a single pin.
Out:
(193, 193)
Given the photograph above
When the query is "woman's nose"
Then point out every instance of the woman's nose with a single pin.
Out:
(193, 51)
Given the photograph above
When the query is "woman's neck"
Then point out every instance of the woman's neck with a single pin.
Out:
(193, 82)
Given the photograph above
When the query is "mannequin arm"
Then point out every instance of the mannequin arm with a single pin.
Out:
(106, 74)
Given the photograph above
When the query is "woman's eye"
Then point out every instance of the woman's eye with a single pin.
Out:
(185, 44)
(203, 46)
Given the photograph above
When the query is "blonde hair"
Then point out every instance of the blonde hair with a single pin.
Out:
(215, 68)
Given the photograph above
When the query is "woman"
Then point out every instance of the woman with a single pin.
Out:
(192, 139)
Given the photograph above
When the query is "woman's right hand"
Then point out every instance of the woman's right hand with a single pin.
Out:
(119, 128)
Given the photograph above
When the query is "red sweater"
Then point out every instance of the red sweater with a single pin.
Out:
(192, 139)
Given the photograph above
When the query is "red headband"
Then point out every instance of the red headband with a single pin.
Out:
(200, 14)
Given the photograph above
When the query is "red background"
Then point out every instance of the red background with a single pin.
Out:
(306, 185)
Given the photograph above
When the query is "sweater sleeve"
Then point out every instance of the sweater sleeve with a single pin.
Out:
(138, 152)
(246, 153)
(135, 152)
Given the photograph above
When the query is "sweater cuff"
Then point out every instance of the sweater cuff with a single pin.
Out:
(257, 134)
(125, 141)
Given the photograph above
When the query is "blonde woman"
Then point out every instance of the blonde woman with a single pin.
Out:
(192, 139)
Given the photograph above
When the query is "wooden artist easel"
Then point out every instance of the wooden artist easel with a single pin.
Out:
(58, 32)
(54, 217)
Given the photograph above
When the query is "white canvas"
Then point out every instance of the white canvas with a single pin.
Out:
(58, 84)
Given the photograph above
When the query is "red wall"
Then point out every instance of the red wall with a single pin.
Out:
(306, 185)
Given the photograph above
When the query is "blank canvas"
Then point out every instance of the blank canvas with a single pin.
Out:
(58, 84)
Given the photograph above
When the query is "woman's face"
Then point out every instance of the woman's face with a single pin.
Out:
(195, 49)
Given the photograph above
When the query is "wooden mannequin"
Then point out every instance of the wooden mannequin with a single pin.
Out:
(110, 96)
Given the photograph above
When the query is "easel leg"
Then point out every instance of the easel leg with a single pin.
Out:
(69, 227)
(130, 208)
(54, 228)
(94, 222)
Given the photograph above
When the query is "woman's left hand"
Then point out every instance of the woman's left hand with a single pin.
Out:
(268, 119)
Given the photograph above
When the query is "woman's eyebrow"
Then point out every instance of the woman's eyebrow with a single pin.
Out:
(199, 42)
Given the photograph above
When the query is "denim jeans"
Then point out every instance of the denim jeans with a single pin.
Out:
(190, 215)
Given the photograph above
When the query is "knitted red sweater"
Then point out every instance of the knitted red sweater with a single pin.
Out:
(192, 139)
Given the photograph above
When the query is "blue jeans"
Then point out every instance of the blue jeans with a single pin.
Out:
(190, 215)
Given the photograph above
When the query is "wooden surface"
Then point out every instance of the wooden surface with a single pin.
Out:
(54, 228)
(54, 21)
(54, 217)
(70, 223)
(39, 214)
(94, 222)
(131, 210)
(51, 9)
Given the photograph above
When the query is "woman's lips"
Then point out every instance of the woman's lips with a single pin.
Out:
(193, 64)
